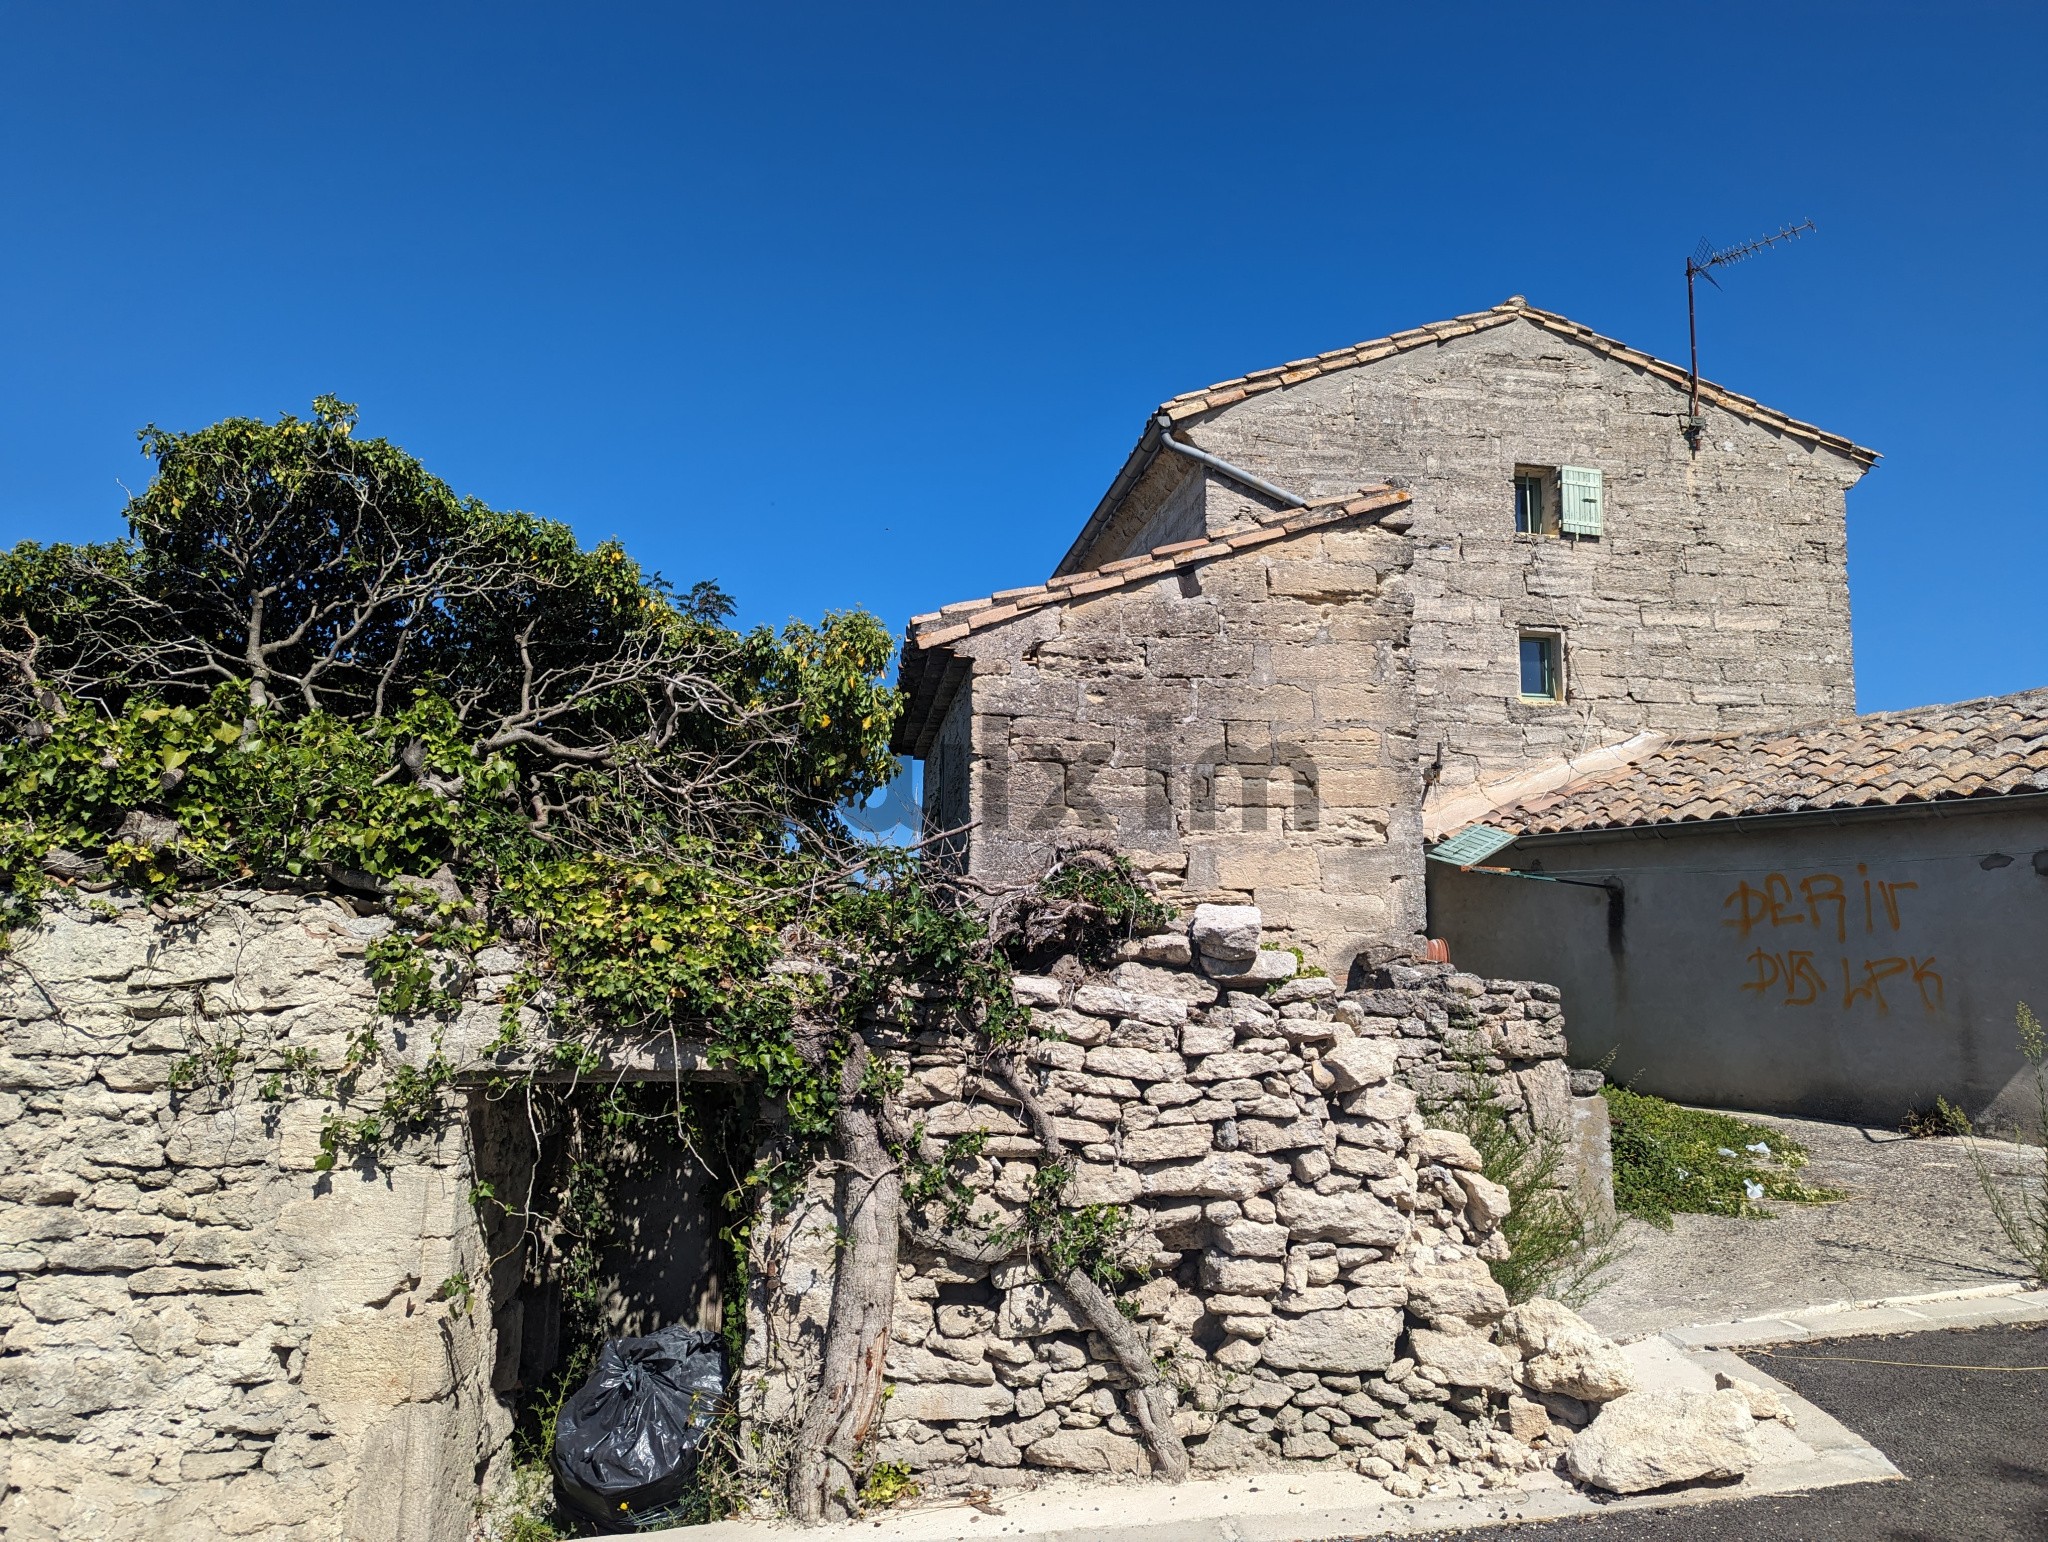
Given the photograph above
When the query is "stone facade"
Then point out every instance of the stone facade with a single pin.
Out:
(201, 1335)
(1318, 1253)
(1715, 597)
(1239, 726)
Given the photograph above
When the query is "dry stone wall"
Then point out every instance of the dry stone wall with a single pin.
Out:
(200, 1334)
(1318, 1254)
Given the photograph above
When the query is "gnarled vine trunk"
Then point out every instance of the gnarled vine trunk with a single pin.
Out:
(824, 1478)
(1152, 1399)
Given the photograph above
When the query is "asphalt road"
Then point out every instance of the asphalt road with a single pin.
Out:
(1972, 1444)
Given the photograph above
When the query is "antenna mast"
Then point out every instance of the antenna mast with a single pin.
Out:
(1700, 264)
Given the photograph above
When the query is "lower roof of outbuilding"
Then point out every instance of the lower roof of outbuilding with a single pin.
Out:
(1992, 747)
(931, 669)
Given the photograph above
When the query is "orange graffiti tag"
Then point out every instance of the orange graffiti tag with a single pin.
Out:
(1875, 971)
(1770, 903)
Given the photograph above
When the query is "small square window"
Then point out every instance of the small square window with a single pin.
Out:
(1536, 500)
(1542, 666)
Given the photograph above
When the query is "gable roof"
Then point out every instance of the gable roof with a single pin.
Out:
(1995, 746)
(930, 671)
(1193, 404)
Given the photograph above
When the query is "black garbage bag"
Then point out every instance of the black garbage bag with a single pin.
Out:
(627, 1441)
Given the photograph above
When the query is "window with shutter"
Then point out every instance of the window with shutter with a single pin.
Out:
(1581, 500)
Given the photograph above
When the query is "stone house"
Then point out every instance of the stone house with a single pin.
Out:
(1315, 596)
(1835, 920)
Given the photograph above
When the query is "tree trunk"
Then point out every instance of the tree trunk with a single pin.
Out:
(824, 1479)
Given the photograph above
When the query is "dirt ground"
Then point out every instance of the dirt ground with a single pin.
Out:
(1915, 1221)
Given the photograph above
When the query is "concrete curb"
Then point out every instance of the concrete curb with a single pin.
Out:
(1982, 1306)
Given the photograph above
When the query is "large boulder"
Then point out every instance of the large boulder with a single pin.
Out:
(1562, 1352)
(1649, 1440)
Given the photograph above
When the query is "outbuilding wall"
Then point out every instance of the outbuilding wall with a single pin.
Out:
(1317, 1252)
(1849, 968)
(201, 1333)
(1243, 729)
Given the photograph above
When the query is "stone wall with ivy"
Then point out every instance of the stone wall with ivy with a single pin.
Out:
(209, 1324)
(1303, 1253)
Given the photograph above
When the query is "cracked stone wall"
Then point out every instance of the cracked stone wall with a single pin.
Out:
(200, 1334)
(1318, 1253)
(1717, 597)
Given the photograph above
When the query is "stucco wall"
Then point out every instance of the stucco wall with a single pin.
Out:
(1241, 728)
(1717, 597)
(1736, 979)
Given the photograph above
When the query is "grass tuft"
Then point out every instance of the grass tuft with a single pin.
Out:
(1670, 1160)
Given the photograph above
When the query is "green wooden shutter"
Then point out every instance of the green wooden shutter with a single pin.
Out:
(1582, 500)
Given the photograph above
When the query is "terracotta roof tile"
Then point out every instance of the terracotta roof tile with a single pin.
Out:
(1991, 747)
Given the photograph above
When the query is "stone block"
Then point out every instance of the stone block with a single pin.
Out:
(1360, 1063)
(1486, 1202)
(1251, 1239)
(1227, 933)
(1465, 1359)
(1351, 1217)
(1095, 1451)
(1032, 1309)
(1224, 1175)
(1165, 1143)
(1138, 1065)
(1174, 984)
(948, 1401)
(1169, 948)
(1241, 1276)
(1449, 1295)
(359, 1362)
(1265, 967)
(1344, 1341)
(1266, 1136)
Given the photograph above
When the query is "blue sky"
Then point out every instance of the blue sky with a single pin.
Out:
(864, 305)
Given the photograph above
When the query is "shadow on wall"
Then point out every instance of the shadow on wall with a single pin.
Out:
(661, 1270)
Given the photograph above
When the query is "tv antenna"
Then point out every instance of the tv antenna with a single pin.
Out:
(1701, 264)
